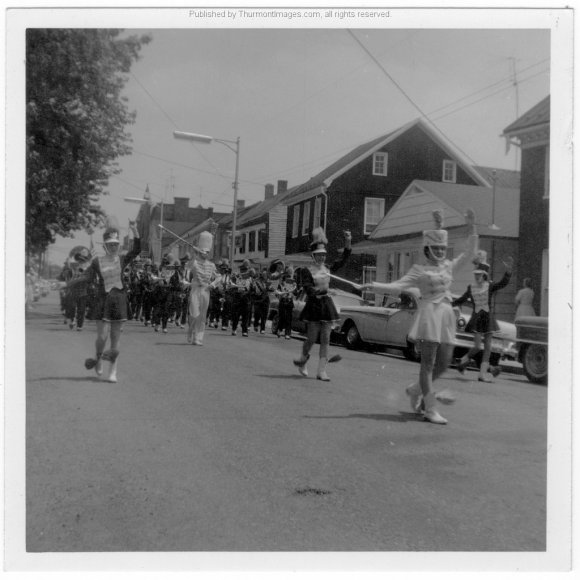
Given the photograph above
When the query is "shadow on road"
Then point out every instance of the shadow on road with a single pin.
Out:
(285, 377)
(76, 379)
(402, 417)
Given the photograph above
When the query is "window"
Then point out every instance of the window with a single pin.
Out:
(252, 241)
(295, 220)
(317, 212)
(449, 171)
(374, 212)
(262, 240)
(306, 218)
(380, 163)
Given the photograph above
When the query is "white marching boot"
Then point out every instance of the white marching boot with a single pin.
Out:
(415, 395)
(431, 414)
(301, 364)
(112, 378)
(321, 374)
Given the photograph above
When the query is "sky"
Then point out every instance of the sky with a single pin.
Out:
(301, 98)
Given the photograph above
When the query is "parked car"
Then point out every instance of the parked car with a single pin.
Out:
(340, 298)
(388, 326)
(532, 336)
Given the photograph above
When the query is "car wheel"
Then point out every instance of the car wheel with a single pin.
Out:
(535, 361)
(352, 337)
(412, 352)
(275, 323)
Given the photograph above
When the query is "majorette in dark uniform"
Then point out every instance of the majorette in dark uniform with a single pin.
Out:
(109, 305)
(482, 322)
(319, 313)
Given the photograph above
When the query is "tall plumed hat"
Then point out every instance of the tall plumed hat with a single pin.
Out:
(437, 236)
(111, 236)
(205, 242)
(319, 241)
(480, 263)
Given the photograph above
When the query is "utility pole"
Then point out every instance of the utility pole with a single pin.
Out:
(517, 99)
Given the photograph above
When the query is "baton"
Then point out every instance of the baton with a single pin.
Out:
(179, 237)
(353, 284)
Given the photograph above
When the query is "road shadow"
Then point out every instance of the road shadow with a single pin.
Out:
(84, 379)
(401, 417)
(285, 377)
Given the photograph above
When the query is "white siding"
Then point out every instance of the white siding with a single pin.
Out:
(278, 218)
(413, 212)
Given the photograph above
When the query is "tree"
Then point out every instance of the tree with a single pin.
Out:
(76, 123)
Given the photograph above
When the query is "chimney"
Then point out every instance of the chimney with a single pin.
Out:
(269, 191)
(282, 186)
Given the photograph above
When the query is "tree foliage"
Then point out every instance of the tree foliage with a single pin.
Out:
(77, 126)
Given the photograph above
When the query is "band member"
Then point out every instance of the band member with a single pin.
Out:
(434, 324)
(261, 301)
(66, 275)
(136, 294)
(109, 308)
(319, 312)
(185, 274)
(161, 298)
(241, 286)
(482, 322)
(216, 295)
(147, 288)
(229, 291)
(77, 291)
(203, 273)
(286, 292)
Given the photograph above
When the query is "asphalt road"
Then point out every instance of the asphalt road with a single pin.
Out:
(226, 448)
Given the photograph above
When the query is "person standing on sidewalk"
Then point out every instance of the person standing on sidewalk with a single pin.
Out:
(109, 307)
(319, 313)
(434, 325)
(524, 300)
(482, 322)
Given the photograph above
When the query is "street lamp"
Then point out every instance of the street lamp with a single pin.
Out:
(232, 146)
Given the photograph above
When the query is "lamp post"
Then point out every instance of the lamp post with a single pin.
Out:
(232, 146)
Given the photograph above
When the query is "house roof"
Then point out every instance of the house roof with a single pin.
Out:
(411, 213)
(263, 207)
(537, 115)
(358, 154)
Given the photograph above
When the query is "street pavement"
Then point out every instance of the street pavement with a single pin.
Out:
(226, 448)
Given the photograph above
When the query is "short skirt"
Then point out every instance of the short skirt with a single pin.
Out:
(435, 322)
(482, 322)
(319, 308)
(110, 307)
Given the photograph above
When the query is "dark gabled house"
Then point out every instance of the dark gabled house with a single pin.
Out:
(358, 190)
(531, 132)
